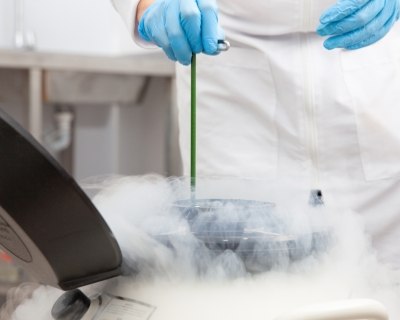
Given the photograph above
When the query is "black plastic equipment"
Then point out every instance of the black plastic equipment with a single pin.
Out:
(72, 305)
(47, 223)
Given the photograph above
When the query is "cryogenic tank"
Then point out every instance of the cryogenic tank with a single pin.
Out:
(46, 219)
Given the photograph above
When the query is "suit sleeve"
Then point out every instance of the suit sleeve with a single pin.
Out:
(127, 11)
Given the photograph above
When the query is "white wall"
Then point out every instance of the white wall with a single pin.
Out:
(76, 26)
(6, 22)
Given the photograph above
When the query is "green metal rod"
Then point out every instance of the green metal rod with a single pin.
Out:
(193, 131)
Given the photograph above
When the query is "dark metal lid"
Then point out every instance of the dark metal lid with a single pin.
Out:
(47, 223)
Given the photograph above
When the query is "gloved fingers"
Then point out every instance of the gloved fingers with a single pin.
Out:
(377, 36)
(191, 23)
(209, 25)
(160, 38)
(221, 36)
(177, 37)
(342, 9)
(151, 28)
(354, 21)
(220, 33)
(150, 14)
(361, 34)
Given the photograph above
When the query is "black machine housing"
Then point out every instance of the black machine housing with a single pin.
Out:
(47, 223)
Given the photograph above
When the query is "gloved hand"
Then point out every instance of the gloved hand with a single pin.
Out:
(358, 23)
(181, 27)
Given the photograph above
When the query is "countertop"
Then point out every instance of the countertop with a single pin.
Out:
(152, 64)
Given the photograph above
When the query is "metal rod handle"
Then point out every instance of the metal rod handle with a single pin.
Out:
(223, 45)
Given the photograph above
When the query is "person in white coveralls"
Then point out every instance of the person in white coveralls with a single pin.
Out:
(285, 102)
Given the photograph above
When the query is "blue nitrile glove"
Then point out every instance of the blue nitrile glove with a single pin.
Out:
(355, 24)
(181, 27)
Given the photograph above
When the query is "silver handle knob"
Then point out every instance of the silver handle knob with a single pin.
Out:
(223, 45)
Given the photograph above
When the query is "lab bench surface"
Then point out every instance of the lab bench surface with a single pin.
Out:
(152, 64)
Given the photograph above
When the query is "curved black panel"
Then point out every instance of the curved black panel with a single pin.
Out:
(47, 221)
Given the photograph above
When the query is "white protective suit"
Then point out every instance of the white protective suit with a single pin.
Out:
(278, 103)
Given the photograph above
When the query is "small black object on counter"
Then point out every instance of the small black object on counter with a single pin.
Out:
(72, 305)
